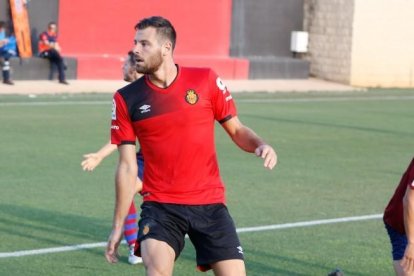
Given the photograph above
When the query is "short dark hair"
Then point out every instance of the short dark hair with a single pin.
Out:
(163, 26)
(51, 23)
(131, 58)
(2, 24)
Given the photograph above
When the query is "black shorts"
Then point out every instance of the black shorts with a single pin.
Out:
(209, 227)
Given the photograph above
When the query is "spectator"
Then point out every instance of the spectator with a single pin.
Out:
(49, 48)
(7, 50)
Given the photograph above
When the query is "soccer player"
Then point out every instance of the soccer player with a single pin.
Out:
(399, 222)
(172, 111)
(92, 160)
(49, 48)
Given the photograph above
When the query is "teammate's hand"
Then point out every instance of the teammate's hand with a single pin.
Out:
(90, 161)
(267, 153)
(111, 252)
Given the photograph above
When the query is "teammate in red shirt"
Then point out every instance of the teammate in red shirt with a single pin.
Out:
(399, 222)
(92, 160)
(172, 111)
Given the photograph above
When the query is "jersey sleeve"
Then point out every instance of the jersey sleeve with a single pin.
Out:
(223, 104)
(122, 131)
(408, 176)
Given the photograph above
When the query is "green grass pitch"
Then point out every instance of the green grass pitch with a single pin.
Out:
(340, 155)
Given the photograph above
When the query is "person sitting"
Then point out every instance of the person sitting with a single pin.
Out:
(7, 50)
(49, 48)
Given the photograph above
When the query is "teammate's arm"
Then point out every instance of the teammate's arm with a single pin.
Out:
(408, 260)
(249, 141)
(126, 175)
(92, 160)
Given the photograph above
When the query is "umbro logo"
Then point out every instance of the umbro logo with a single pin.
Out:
(240, 249)
(145, 108)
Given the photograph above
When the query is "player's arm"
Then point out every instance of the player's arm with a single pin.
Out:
(408, 202)
(249, 141)
(92, 160)
(125, 188)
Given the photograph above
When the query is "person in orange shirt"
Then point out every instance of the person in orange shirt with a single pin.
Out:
(49, 48)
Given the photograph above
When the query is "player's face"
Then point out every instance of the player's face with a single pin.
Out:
(128, 69)
(148, 51)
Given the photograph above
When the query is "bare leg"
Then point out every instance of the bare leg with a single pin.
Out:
(158, 257)
(229, 268)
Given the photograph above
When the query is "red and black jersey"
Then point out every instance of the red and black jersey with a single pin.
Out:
(48, 37)
(175, 129)
(394, 212)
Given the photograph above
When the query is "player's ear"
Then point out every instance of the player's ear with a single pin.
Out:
(167, 48)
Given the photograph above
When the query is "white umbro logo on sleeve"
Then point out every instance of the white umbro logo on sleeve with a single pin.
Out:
(145, 108)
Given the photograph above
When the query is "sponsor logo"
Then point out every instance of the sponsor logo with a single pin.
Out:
(145, 108)
(113, 109)
(240, 249)
(146, 229)
(191, 97)
(115, 127)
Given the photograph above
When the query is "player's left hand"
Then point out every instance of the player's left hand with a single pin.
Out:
(111, 252)
(267, 153)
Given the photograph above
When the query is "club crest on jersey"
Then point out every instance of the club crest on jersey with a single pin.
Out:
(191, 97)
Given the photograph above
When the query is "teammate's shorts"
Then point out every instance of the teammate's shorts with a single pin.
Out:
(140, 162)
(398, 243)
(209, 227)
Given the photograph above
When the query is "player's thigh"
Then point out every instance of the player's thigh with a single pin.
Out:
(158, 256)
(229, 268)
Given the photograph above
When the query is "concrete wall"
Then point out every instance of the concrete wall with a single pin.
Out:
(261, 31)
(368, 43)
(330, 27)
(383, 43)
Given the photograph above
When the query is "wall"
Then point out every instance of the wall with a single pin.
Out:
(99, 33)
(330, 27)
(39, 18)
(383, 44)
(261, 32)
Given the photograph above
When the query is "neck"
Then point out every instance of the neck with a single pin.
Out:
(165, 75)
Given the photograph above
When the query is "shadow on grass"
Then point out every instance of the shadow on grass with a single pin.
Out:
(49, 226)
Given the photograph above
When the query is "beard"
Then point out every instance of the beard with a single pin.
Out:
(150, 65)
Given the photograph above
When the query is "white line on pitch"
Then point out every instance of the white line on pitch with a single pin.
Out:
(293, 100)
(239, 230)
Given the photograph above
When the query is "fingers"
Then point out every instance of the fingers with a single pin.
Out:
(89, 163)
(407, 264)
(111, 254)
(267, 153)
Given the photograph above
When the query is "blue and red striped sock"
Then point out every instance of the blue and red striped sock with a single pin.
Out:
(131, 226)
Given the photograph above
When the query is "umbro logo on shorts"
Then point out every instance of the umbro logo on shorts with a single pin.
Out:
(240, 249)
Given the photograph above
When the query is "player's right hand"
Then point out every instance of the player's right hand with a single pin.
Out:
(111, 252)
(90, 161)
(407, 262)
